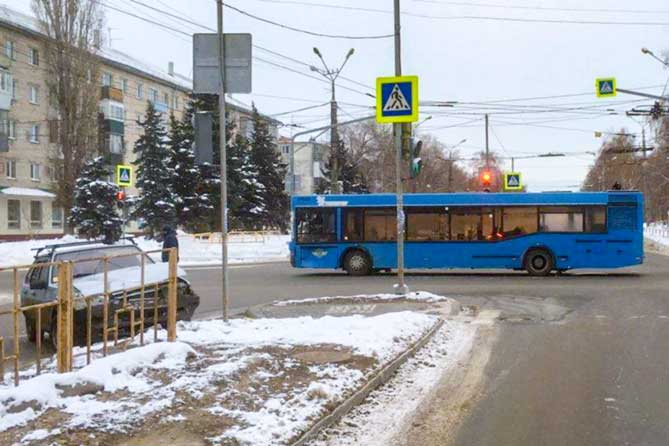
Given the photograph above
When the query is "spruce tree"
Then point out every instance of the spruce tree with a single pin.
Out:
(271, 198)
(191, 202)
(155, 206)
(94, 213)
(245, 203)
(351, 178)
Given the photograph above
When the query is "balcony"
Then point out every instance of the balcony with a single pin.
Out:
(111, 93)
(6, 80)
(160, 107)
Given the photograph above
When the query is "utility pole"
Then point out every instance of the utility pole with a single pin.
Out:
(487, 148)
(401, 287)
(332, 75)
(223, 164)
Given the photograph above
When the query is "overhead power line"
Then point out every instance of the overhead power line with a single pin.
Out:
(547, 8)
(304, 31)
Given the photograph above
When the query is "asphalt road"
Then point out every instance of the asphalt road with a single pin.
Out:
(581, 358)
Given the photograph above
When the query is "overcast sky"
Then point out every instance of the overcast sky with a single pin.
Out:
(458, 55)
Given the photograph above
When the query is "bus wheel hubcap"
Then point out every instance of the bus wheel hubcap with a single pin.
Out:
(357, 262)
(538, 262)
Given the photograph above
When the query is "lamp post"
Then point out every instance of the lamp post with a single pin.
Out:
(651, 54)
(450, 163)
(332, 75)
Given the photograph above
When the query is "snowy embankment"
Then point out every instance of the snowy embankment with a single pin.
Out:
(658, 233)
(246, 382)
(191, 252)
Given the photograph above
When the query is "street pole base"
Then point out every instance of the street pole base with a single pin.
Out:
(401, 289)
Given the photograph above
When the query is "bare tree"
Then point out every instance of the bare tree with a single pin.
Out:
(73, 29)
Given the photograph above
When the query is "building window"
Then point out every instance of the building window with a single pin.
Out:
(13, 214)
(116, 112)
(34, 171)
(11, 169)
(116, 143)
(56, 217)
(106, 79)
(175, 100)
(9, 49)
(15, 89)
(153, 95)
(33, 136)
(140, 91)
(33, 56)
(12, 130)
(139, 119)
(6, 81)
(33, 96)
(89, 76)
(166, 99)
(124, 86)
(285, 149)
(35, 214)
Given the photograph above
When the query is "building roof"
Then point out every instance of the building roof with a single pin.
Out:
(26, 192)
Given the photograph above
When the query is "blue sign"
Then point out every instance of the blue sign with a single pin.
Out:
(397, 99)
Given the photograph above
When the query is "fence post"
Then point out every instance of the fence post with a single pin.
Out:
(65, 316)
(172, 297)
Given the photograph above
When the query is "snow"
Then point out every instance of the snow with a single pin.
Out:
(27, 192)
(657, 232)
(124, 279)
(417, 296)
(231, 349)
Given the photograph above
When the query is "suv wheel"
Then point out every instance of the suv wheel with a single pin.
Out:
(357, 263)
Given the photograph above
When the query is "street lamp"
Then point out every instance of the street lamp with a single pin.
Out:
(332, 75)
(651, 54)
(422, 122)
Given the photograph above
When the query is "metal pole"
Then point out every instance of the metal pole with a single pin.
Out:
(334, 143)
(513, 164)
(224, 173)
(401, 287)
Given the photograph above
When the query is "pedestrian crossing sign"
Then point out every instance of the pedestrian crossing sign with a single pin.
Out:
(123, 175)
(606, 87)
(396, 99)
(512, 182)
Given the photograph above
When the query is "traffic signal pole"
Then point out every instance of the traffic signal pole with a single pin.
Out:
(400, 287)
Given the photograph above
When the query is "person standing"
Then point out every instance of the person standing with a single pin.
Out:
(170, 240)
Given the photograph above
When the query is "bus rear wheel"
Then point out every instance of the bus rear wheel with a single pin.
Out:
(539, 262)
(357, 263)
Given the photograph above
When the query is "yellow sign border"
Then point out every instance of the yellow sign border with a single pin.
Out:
(413, 117)
(514, 188)
(118, 175)
(606, 95)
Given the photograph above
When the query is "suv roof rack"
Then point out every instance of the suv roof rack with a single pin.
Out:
(51, 248)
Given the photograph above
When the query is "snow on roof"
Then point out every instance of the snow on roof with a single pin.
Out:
(31, 24)
(27, 192)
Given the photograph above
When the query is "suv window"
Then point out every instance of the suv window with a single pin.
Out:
(37, 276)
(82, 267)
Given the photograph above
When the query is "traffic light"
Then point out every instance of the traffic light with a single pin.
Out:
(120, 199)
(486, 180)
(414, 157)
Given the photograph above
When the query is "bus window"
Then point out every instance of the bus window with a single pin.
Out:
(466, 224)
(561, 219)
(595, 219)
(316, 225)
(380, 225)
(427, 224)
(490, 221)
(519, 221)
(353, 225)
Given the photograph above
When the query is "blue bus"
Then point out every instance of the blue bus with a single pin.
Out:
(536, 232)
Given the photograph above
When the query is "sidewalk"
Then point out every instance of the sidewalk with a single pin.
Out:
(265, 380)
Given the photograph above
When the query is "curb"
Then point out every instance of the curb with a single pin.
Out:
(380, 377)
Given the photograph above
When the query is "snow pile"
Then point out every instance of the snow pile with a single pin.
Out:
(417, 296)
(244, 378)
(191, 252)
(657, 232)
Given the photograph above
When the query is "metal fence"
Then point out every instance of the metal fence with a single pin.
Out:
(235, 236)
(66, 316)
(657, 230)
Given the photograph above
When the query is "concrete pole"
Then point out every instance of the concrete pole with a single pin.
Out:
(400, 287)
(487, 148)
(334, 143)
(224, 170)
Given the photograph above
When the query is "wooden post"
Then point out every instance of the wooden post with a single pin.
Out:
(172, 297)
(64, 353)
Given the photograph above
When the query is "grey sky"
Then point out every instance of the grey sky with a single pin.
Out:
(467, 60)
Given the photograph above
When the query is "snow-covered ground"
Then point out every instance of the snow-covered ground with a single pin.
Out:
(658, 233)
(245, 376)
(417, 296)
(191, 252)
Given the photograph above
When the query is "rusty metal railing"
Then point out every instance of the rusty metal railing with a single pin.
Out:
(72, 311)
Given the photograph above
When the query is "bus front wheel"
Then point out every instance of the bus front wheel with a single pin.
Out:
(357, 263)
(539, 262)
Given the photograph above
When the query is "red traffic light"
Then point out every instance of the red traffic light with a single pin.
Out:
(486, 178)
(120, 195)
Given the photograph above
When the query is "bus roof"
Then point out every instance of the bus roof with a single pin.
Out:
(470, 199)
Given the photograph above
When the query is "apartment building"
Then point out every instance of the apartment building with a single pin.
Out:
(309, 158)
(28, 123)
